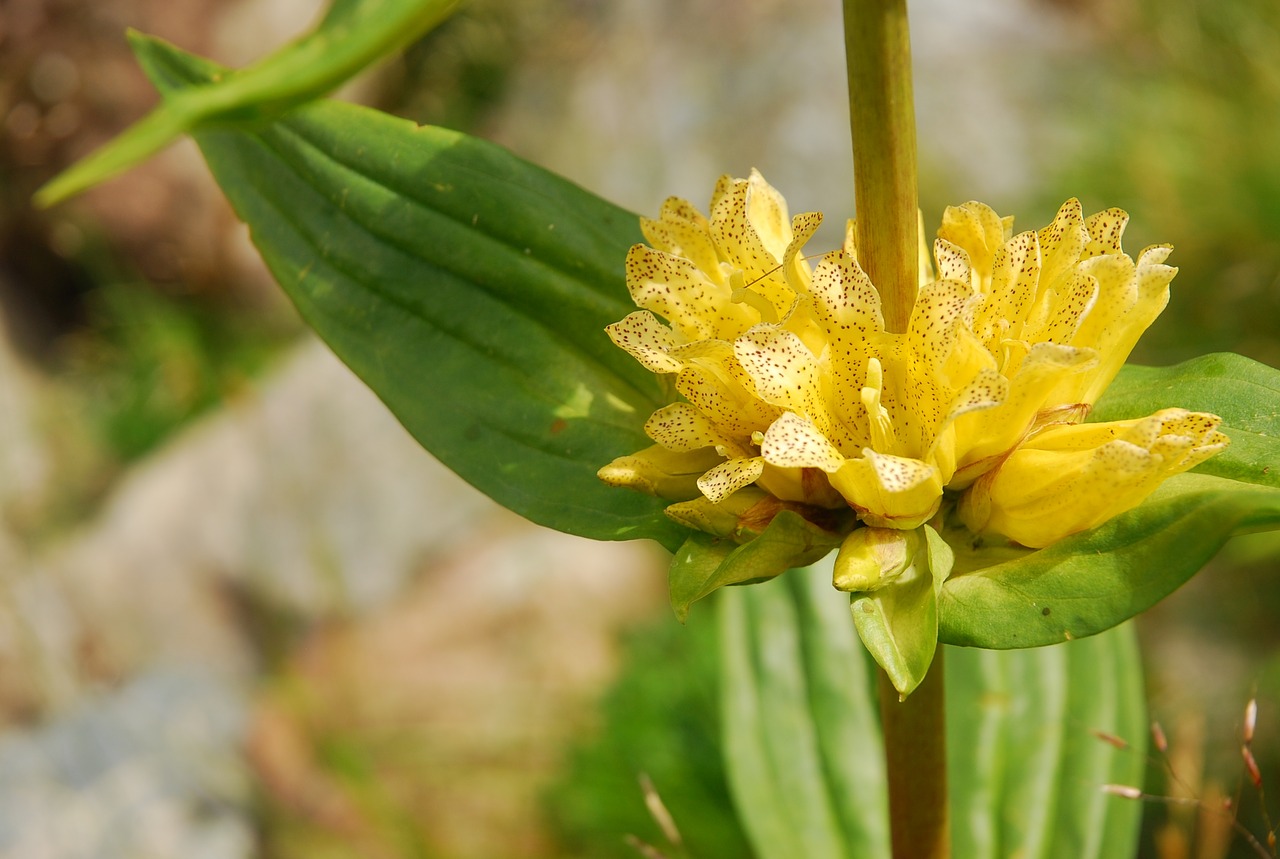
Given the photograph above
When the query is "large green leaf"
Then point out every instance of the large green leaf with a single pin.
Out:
(1007, 598)
(801, 723)
(466, 287)
(1025, 763)
(803, 742)
(351, 35)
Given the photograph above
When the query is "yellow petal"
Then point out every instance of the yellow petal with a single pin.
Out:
(1012, 291)
(847, 308)
(1059, 312)
(794, 266)
(1106, 229)
(751, 230)
(978, 230)
(953, 262)
(943, 357)
(682, 231)
(890, 491)
(648, 340)
(747, 510)
(766, 211)
(793, 442)
(1061, 244)
(985, 434)
(677, 290)
(1072, 478)
(1124, 310)
(783, 370)
(680, 426)
(730, 476)
(715, 389)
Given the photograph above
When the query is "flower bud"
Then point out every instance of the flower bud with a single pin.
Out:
(747, 510)
(870, 558)
(661, 472)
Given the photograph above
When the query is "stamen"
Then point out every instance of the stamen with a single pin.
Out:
(742, 294)
(882, 435)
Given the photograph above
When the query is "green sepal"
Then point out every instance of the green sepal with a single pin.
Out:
(704, 564)
(898, 621)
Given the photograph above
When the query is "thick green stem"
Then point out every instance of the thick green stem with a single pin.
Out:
(916, 757)
(882, 118)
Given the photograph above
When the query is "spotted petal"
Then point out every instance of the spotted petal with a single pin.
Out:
(1072, 478)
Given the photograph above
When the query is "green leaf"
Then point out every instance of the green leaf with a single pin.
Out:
(1025, 765)
(468, 288)
(898, 622)
(803, 743)
(352, 34)
(1244, 393)
(1092, 581)
(801, 723)
(705, 564)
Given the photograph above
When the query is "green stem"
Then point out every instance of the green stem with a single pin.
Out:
(916, 758)
(882, 119)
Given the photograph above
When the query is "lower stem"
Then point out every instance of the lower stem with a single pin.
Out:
(916, 757)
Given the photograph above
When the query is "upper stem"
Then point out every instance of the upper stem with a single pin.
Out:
(882, 119)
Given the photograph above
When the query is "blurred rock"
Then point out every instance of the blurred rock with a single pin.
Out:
(150, 771)
(642, 99)
(306, 494)
(451, 705)
(443, 618)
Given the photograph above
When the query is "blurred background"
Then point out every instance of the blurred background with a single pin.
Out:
(242, 615)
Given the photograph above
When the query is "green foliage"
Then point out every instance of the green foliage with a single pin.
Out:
(1023, 758)
(804, 746)
(468, 288)
(660, 718)
(1244, 393)
(1092, 581)
(1180, 103)
(352, 34)
(801, 728)
(148, 363)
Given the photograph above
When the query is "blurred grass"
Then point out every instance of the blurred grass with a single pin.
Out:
(1180, 102)
(660, 718)
(148, 362)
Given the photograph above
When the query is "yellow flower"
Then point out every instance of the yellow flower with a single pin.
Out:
(790, 382)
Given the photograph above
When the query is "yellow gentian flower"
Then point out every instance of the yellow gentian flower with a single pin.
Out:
(790, 382)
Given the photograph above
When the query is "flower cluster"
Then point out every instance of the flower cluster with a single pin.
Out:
(789, 380)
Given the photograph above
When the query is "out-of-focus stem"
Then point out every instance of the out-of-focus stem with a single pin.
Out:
(882, 117)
